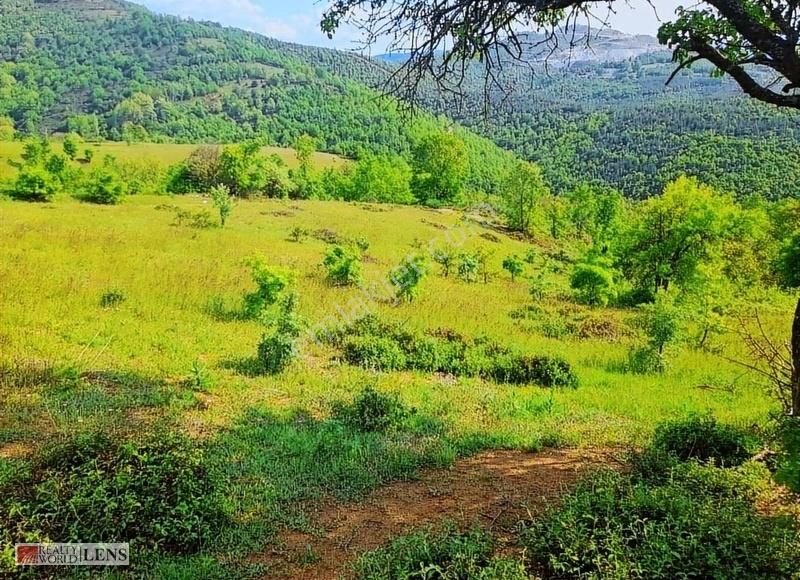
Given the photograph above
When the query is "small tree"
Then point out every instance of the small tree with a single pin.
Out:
(484, 269)
(71, 145)
(594, 284)
(446, 258)
(513, 265)
(468, 267)
(269, 285)
(661, 323)
(277, 348)
(523, 189)
(407, 277)
(221, 198)
(778, 363)
(343, 266)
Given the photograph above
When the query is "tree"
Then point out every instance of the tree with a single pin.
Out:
(789, 262)
(440, 168)
(384, 179)
(7, 130)
(343, 266)
(105, 186)
(221, 198)
(513, 265)
(523, 189)
(674, 233)
(71, 145)
(741, 38)
(304, 147)
(594, 283)
(446, 257)
(35, 183)
(246, 172)
(407, 277)
(778, 363)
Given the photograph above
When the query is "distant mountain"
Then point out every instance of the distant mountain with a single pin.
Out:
(578, 44)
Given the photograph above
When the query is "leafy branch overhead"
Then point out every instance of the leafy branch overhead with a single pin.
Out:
(755, 42)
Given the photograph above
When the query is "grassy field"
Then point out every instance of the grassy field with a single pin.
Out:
(131, 366)
(156, 154)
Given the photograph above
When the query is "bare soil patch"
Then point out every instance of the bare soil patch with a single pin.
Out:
(496, 489)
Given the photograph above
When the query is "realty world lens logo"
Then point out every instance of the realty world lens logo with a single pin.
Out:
(72, 554)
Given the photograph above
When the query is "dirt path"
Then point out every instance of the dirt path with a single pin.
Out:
(496, 489)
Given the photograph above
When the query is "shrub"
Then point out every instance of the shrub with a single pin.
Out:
(789, 462)
(375, 352)
(298, 234)
(446, 258)
(407, 277)
(447, 553)
(343, 266)
(112, 299)
(104, 187)
(277, 349)
(468, 267)
(545, 371)
(371, 411)
(269, 285)
(703, 438)
(35, 183)
(158, 493)
(200, 220)
(698, 523)
(594, 284)
(645, 361)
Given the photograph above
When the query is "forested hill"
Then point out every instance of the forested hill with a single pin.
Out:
(186, 80)
(107, 68)
(615, 121)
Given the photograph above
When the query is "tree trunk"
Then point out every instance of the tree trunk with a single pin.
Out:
(796, 363)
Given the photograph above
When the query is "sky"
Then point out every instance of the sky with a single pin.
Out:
(298, 20)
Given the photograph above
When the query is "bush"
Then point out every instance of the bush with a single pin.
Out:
(269, 285)
(375, 352)
(112, 299)
(158, 493)
(35, 183)
(371, 411)
(703, 438)
(407, 277)
(343, 266)
(789, 462)
(594, 284)
(544, 371)
(645, 361)
(446, 554)
(277, 350)
(699, 523)
(104, 187)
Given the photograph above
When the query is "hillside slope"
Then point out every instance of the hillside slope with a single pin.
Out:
(112, 68)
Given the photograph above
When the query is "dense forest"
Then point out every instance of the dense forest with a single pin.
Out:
(111, 69)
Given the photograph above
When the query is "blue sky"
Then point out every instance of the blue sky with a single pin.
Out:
(298, 20)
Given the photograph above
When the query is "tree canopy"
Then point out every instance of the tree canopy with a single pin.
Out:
(752, 41)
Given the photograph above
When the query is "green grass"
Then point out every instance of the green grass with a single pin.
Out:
(81, 366)
(59, 260)
(157, 154)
